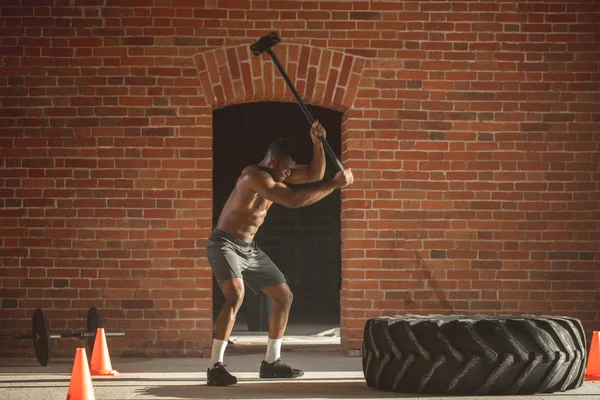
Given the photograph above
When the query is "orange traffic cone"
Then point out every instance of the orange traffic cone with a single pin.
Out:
(80, 387)
(592, 370)
(100, 364)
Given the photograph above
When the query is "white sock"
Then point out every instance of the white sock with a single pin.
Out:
(218, 351)
(273, 350)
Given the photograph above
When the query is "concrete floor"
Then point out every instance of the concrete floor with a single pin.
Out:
(330, 374)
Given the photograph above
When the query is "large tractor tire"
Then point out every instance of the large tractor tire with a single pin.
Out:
(474, 355)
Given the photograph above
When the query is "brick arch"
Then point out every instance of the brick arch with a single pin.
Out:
(322, 77)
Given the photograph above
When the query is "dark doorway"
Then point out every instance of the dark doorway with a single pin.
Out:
(304, 242)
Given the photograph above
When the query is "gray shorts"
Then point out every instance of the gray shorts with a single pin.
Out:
(230, 257)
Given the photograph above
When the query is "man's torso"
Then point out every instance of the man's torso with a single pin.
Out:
(244, 211)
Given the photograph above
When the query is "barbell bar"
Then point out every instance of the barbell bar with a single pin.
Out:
(65, 335)
(41, 335)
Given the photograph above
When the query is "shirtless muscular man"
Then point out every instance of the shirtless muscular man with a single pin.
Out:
(235, 258)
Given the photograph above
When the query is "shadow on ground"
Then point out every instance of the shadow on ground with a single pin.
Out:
(269, 390)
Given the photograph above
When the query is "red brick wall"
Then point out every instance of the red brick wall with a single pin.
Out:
(472, 129)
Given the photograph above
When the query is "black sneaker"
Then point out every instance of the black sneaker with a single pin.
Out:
(218, 376)
(278, 369)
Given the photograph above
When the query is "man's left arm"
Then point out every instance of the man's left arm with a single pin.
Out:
(314, 171)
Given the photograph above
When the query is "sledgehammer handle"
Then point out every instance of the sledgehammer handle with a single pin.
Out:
(307, 114)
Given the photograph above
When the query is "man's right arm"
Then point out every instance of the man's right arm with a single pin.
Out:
(266, 187)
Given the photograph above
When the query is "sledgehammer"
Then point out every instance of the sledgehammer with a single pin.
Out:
(264, 44)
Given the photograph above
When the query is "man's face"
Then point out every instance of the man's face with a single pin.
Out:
(282, 167)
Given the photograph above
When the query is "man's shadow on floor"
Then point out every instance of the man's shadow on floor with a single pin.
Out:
(274, 389)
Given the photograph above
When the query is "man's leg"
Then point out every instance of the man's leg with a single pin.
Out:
(272, 366)
(264, 275)
(280, 311)
(282, 303)
(233, 290)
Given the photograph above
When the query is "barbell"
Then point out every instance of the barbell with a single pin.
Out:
(41, 335)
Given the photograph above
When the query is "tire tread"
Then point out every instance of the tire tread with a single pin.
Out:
(478, 355)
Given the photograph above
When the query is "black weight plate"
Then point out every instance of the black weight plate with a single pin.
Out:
(41, 336)
(93, 323)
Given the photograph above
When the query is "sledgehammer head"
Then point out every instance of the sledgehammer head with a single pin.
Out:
(264, 43)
